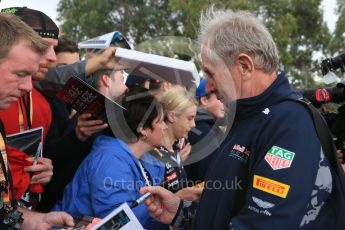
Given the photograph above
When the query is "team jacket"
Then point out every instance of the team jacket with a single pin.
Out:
(271, 172)
(109, 176)
(205, 133)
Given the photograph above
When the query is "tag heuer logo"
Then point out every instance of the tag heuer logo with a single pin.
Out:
(279, 158)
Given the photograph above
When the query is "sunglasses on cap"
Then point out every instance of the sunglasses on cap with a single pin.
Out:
(117, 40)
(120, 41)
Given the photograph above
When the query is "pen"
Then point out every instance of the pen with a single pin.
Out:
(38, 153)
(140, 199)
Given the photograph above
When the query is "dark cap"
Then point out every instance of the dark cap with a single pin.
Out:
(135, 80)
(201, 90)
(37, 20)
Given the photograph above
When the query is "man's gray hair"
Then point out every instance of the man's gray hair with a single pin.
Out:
(225, 33)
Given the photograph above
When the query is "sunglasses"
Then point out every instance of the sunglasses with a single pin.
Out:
(117, 40)
(120, 41)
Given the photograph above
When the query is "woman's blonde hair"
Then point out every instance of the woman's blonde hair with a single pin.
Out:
(177, 100)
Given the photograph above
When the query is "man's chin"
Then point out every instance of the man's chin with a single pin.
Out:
(39, 76)
(5, 105)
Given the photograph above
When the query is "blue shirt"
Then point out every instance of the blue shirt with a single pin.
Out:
(109, 176)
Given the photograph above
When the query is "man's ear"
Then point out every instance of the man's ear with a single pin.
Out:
(203, 101)
(246, 66)
(142, 132)
(171, 117)
(106, 80)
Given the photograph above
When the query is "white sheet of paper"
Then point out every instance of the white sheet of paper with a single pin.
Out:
(121, 218)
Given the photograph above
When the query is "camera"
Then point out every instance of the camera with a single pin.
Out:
(320, 96)
(12, 220)
(332, 64)
(335, 120)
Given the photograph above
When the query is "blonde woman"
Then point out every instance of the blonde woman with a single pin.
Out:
(180, 109)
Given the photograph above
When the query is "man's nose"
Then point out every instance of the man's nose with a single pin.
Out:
(26, 84)
(50, 55)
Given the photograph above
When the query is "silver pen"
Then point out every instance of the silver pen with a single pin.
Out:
(38, 153)
(140, 199)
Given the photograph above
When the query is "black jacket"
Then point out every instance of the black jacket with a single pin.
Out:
(206, 131)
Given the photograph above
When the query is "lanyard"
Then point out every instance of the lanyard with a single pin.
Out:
(25, 103)
(4, 164)
(177, 158)
(5, 177)
(144, 172)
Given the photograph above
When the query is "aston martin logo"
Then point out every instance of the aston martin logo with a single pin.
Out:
(262, 204)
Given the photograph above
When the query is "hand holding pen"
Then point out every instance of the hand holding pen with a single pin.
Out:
(140, 199)
(43, 167)
(38, 153)
(144, 197)
(161, 203)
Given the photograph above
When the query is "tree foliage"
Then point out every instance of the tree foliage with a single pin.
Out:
(297, 26)
(139, 20)
(337, 44)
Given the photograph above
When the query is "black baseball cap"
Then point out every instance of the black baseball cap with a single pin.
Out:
(37, 20)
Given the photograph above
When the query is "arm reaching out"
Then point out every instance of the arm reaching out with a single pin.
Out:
(38, 221)
(162, 204)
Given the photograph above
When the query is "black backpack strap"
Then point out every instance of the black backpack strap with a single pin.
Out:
(326, 140)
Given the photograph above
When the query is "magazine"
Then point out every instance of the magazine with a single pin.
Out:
(144, 64)
(158, 67)
(121, 218)
(85, 99)
(29, 141)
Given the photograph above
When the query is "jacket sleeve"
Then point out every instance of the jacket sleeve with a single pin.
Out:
(289, 179)
(112, 183)
(57, 77)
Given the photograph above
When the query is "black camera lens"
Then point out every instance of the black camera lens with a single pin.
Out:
(332, 64)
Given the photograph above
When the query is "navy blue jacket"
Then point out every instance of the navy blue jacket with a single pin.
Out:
(206, 131)
(271, 172)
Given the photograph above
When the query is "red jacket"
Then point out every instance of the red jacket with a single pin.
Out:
(41, 116)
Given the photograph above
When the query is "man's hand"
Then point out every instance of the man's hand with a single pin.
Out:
(189, 193)
(162, 204)
(86, 128)
(104, 60)
(43, 221)
(107, 58)
(43, 170)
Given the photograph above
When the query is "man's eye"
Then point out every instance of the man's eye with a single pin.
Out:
(208, 74)
(21, 74)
